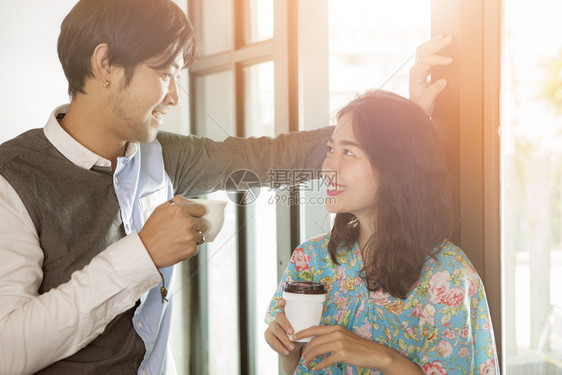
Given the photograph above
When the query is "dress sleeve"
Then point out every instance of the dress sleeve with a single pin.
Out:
(455, 330)
(297, 270)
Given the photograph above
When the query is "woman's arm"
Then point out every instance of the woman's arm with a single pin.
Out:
(347, 347)
(393, 363)
(422, 92)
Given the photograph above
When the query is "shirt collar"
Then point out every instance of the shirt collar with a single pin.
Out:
(72, 149)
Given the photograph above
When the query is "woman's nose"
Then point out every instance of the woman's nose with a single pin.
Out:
(331, 162)
(172, 97)
(329, 169)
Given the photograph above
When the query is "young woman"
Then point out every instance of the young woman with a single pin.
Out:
(401, 299)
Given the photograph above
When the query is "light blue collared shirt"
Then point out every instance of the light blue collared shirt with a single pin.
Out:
(141, 184)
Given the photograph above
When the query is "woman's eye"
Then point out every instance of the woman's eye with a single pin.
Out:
(169, 76)
(329, 148)
(348, 152)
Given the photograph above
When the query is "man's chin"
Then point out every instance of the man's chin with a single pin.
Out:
(151, 137)
(148, 137)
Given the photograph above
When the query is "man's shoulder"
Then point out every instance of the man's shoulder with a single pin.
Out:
(24, 139)
(166, 138)
(30, 140)
(173, 144)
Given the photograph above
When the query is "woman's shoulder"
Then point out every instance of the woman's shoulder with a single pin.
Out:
(319, 246)
(449, 267)
(447, 257)
(309, 255)
(315, 249)
(315, 244)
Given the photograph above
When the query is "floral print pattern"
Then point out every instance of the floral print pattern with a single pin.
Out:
(443, 325)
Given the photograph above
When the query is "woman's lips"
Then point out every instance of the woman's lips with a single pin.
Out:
(334, 190)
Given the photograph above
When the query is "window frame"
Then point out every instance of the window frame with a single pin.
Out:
(281, 50)
(467, 113)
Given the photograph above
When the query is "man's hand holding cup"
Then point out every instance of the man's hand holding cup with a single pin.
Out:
(175, 229)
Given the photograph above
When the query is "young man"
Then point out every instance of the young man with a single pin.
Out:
(92, 214)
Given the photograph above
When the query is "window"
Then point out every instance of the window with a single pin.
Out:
(238, 84)
(532, 187)
(372, 45)
(294, 73)
(261, 220)
(250, 85)
(344, 49)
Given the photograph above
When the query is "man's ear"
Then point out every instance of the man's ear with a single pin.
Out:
(99, 61)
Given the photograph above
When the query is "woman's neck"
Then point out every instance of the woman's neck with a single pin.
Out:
(365, 232)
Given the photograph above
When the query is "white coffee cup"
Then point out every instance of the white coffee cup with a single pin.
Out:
(304, 303)
(214, 217)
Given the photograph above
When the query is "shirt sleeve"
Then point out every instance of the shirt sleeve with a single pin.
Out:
(37, 330)
(200, 165)
(455, 330)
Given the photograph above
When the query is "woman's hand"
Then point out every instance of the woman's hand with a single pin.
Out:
(423, 92)
(347, 347)
(277, 336)
(343, 345)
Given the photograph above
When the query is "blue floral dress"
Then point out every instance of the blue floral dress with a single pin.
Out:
(443, 325)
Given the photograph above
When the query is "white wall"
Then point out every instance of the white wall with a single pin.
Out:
(32, 82)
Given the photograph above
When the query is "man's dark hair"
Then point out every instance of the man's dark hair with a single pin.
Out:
(134, 30)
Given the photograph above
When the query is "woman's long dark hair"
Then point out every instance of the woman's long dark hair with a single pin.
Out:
(413, 213)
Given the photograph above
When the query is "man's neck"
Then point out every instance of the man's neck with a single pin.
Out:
(84, 123)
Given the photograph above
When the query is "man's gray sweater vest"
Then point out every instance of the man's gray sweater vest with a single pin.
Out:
(76, 214)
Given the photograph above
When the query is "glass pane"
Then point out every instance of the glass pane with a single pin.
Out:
(259, 103)
(372, 44)
(217, 26)
(532, 187)
(214, 106)
(221, 259)
(261, 20)
(262, 219)
(214, 114)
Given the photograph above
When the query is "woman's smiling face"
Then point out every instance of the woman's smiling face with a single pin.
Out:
(347, 170)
